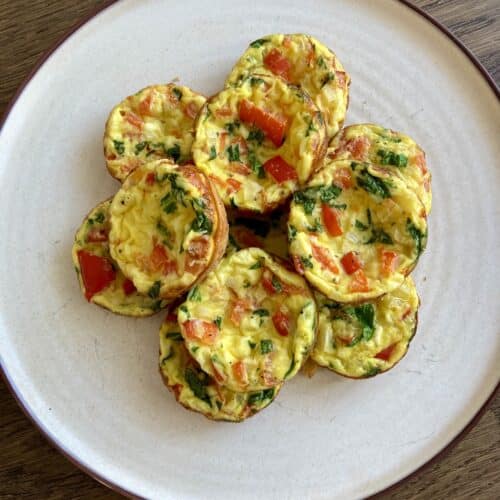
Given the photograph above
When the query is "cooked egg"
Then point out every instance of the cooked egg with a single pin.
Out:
(304, 61)
(156, 122)
(394, 150)
(250, 323)
(259, 141)
(356, 231)
(196, 390)
(366, 339)
(168, 228)
(100, 279)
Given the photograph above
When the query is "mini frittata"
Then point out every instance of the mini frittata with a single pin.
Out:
(168, 228)
(356, 231)
(366, 339)
(268, 233)
(197, 391)
(156, 122)
(304, 61)
(101, 281)
(396, 151)
(259, 141)
(251, 323)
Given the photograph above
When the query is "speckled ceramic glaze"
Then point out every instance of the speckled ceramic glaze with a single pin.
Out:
(90, 379)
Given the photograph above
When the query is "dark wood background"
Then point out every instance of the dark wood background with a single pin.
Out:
(30, 467)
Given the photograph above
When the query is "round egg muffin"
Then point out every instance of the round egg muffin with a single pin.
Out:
(197, 391)
(306, 62)
(156, 122)
(396, 151)
(366, 339)
(168, 228)
(101, 281)
(268, 233)
(356, 231)
(259, 141)
(251, 323)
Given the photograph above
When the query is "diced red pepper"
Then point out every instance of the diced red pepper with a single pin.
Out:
(218, 375)
(280, 170)
(97, 273)
(358, 147)
(299, 267)
(233, 185)
(133, 119)
(386, 353)
(282, 323)
(238, 308)
(128, 287)
(277, 63)
(145, 105)
(150, 178)
(323, 256)
(359, 282)
(351, 263)
(240, 372)
(273, 126)
(331, 219)
(197, 329)
(160, 260)
(388, 262)
(343, 178)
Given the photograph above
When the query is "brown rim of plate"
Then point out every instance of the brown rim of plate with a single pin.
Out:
(53, 440)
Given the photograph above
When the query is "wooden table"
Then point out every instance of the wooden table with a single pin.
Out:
(32, 468)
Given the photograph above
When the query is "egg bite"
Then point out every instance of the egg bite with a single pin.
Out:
(168, 228)
(394, 150)
(363, 340)
(356, 231)
(268, 233)
(101, 281)
(304, 61)
(258, 142)
(197, 391)
(251, 323)
(156, 122)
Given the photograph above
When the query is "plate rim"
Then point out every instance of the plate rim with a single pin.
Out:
(59, 446)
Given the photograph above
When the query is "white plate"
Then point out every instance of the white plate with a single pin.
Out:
(90, 379)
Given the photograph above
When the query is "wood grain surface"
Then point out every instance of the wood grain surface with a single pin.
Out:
(31, 468)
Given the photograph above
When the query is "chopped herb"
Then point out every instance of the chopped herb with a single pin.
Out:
(140, 146)
(198, 385)
(252, 344)
(233, 152)
(417, 236)
(231, 127)
(257, 397)
(194, 348)
(373, 370)
(213, 153)
(194, 294)
(380, 236)
(256, 135)
(157, 305)
(391, 158)
(99, 217)
(201, 223)
(329, 77)
(290, 370)
(328, 193)
(365, 314)
(167, 357)
(310, 127)
(373, 185)
(321, 62)
(259, 227)
(176, 336)
(119, 146)
(218, 321)
(176, 194)
(154, 291)
(184, 309)
(276, 284)
(257, 265)
(359, 225)
(163, 230)
(266, 346)
(261, 313)
(292, 232)
(308, 196)
(256, 165)
(258, 43)
(255, 81)
(306, 261)
(178, 93)
(317, 227)
(247, 284)
(174, 152)
(208, 114)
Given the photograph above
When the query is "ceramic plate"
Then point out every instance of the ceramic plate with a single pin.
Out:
(90, 379)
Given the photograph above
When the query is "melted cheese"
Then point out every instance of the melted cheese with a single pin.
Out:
(246, 351)
(313, 67)
(377, 213)
(351, 337)
(396, 151)
(220, 131)
(163, 228)
(113, 297)
(197, 391)
(156, 122)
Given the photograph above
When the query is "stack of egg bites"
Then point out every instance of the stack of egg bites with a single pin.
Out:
(271, 235)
